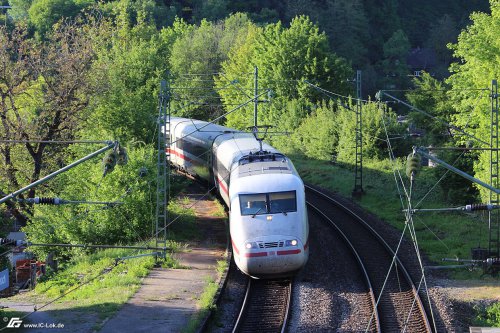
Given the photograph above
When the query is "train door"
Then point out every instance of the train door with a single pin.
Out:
(215, 169)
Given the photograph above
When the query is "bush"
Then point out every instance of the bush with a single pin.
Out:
(100, 224)
(489, 316)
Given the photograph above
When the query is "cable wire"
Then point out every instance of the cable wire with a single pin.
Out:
(439, 180)
(407, 225)
(443, 122)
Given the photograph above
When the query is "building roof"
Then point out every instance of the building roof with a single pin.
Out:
(421, 58)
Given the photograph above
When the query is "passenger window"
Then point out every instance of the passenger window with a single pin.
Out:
(282, 202)
(253, 204)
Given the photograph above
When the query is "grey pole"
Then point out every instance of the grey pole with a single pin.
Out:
(52, 175)
(256, 96)
(457, 171)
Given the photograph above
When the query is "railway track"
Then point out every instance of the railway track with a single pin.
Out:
(369, 315)
(265, 307)
(399, 307)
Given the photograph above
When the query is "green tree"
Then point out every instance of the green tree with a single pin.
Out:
(196, 52)
(131, 61)
(478, 50)
(44, 91)
(430, 95)
(43, 14)
(394, 64)
(211, 10)
(19, 10)
(348, 30)
(315, 135)
(133, 10)
(285, 58)
(374, 144)
(442, 32)
(126, 222)
(384, 19)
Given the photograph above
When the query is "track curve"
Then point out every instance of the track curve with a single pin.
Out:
(373, 322)
(399, 306)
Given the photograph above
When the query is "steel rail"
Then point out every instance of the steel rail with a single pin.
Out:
(360, 264)
(244, 307)
(256, 289)
(381, 240)
(287, 310)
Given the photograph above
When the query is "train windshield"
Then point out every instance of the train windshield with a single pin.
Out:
(282, 202)
(268, 203)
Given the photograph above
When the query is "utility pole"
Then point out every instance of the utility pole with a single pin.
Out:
(163, 172)
(358, 172)
(256, 96)
(494, 216)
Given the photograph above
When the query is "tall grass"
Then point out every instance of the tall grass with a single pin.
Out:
(206, 301)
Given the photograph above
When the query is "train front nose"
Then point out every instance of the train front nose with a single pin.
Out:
(272, 256)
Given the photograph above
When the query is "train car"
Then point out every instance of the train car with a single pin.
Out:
(268, 218)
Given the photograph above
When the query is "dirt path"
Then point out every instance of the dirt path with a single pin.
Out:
(167, 299)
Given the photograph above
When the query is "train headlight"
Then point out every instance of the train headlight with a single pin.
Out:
(251, 245)
(292, 242)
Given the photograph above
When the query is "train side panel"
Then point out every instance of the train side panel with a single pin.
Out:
(191, 148)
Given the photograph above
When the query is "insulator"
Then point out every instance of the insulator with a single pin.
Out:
(122, 156)
(474, 207)
(109, 162)
(11, 242)
(46, 201)
(412, 165)
(492, 261)
(6, 241)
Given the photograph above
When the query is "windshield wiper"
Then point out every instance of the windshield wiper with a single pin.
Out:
(253, 216)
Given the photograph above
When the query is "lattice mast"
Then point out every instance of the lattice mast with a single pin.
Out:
(163, 165)
(494, 216)
(358, 172)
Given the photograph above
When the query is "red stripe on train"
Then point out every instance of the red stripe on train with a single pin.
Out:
(180, 155)
(282, 253)
(223, 186)
(255, 254)
(221, 182)
(235, 248)
(248, 255)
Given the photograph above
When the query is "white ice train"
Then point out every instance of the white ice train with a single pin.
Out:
(265, 195)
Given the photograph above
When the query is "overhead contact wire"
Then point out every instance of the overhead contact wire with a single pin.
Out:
(409, 223)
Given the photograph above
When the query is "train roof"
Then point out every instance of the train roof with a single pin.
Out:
(280, 166)
(233, 147)
(202, 130)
